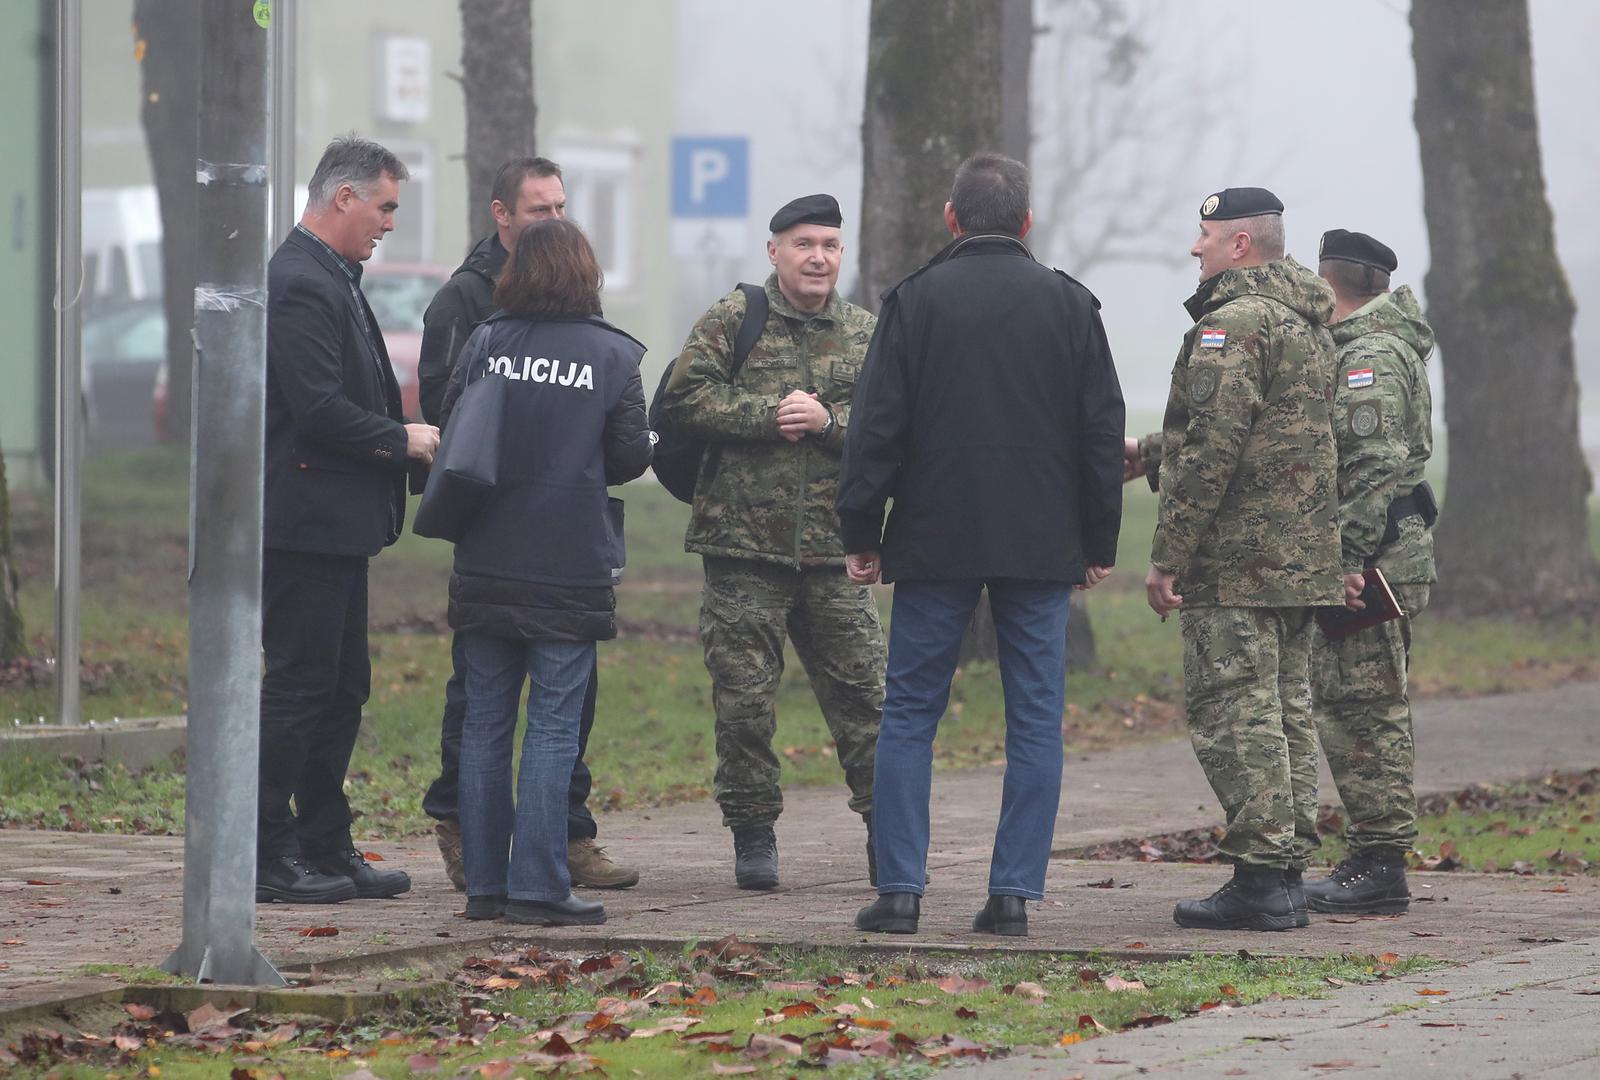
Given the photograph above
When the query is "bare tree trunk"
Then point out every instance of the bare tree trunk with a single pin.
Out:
(497, 81)
(933, 97)
(167, 41)
(1515, 532)
(13, 642)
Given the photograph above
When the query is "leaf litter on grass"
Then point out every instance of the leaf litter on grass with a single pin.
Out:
(729, 1004)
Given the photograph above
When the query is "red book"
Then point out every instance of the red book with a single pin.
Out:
(1340, 622)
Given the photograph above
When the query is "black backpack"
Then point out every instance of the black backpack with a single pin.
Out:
(677, 456)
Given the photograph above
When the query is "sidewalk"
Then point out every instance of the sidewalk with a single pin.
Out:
(117, 899)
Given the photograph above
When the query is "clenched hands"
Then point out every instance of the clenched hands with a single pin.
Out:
(422, 442)
(799, 415)
(863, 568)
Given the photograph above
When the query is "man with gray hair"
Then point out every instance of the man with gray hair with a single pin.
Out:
(337, 453)
(1247, 543)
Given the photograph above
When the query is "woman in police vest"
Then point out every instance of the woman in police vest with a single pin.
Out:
(531, 591)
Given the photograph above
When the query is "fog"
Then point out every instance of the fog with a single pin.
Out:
(1312, 100)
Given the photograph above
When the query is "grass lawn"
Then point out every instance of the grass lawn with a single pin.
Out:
(653, 736)
(1546, 826)
(726, 1009)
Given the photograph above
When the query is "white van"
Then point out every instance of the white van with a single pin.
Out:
(121, 245)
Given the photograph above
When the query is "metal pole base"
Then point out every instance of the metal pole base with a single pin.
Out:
(248, 969)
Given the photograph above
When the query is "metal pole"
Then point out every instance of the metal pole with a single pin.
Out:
(284, 29)
(69, 355)
(230, 332)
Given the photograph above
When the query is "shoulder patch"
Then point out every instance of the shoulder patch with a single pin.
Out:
(1359, 377)
(1365, 419)
(1213, 339)
(1202, 383)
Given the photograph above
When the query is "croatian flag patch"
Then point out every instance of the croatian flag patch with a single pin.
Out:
(1213, 339)
(1359, 377)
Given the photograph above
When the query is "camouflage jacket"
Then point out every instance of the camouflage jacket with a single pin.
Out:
(758, 495)
(1383, 423)
(1249, 509)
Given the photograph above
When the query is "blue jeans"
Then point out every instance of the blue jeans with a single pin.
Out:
(536, 831)
(925, 631)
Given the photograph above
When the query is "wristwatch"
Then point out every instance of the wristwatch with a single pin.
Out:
(827, 425)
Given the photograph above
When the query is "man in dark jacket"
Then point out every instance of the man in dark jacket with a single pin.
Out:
(990, 411)
(337, 450)
(525, 190)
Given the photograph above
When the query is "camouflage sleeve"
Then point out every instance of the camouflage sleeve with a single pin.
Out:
(1150, 459)
(1369, 410)
(1223, 385)
(701, 398)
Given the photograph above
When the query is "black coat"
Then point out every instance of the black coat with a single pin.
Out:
(989, 410)
(459, 306)
(538, 561)
(335, 467)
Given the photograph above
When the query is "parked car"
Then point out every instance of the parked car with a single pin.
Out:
(124, 352)
(398, 294)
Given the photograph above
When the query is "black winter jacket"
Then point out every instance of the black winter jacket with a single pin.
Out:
(460, 305)
(539, 560)
(335, 457)
(990, 411)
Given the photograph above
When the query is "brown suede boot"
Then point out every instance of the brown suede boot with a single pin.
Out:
(448, 833)
(589, 866)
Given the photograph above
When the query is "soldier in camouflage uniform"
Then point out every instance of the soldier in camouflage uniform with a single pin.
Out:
(1382, 421)
(1247, 541)
(763, 519)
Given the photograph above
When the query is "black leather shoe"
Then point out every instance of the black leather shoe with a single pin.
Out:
(486, 907)
(371, 883)
(755, 857)
(1003, 915)
(1254, 899)
(1371, 883)
(289, 879)
(568, 912)
(1295, 881)
(891, 913)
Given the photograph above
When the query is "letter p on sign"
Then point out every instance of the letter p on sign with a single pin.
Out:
(710, 176)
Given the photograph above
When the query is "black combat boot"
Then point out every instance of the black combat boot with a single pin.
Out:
(289, 879)
(872, 853)
(1295, 881)
(1254, 899)
(891, 913)
(1370, 883)
(755, 857)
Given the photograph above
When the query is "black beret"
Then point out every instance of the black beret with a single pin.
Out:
(1239, 202)
(807, 210)
(1357, 247)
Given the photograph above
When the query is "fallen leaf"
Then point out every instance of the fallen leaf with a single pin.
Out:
(873, 1023)
(1436, 1023)
(719, 1069)
(957, 984)
(1031, 991)
(1086, 1020)
(1228, 990)
(1069, 1038)
(707, 1037)
(1422, 933)
(1342, 1063)
(1117, 982)
(318, 931)
(1136, 945)
(422, 1063)
(13, 941)
(129, 1043)
(1104, 883)
(669, 1024)
(371, 856)
(210, 1020)
(1427, 992)
(36, 881)
(140, 1012)
(1557, 889)
(964, 1013)
(1389, 958)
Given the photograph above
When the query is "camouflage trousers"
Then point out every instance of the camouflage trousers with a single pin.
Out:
(1247, 692)
(1363, 718)
(746, 611)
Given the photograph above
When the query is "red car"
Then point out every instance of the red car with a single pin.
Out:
(398, 294)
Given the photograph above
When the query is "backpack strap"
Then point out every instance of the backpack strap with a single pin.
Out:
(750, 330)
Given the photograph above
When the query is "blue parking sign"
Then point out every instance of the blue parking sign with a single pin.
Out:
(710, 176)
